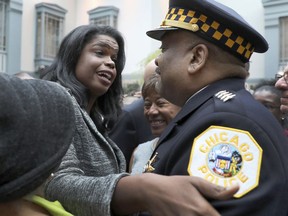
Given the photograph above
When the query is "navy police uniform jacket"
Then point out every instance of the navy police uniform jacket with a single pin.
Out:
(225, 136)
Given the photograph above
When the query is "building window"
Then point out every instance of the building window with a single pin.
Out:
(276, 34)
(283, 41)
(49, 32)
(106, 15)
(3, 32)
(52, 32)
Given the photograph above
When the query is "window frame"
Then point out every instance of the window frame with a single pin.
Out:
(98, 15)
(274, 11)
(283, 34)
(3, 36)
(45, 50)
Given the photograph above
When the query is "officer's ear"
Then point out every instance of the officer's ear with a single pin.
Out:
(198, 58)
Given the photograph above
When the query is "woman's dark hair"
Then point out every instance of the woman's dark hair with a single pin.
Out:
(62, 70)
(150, 86)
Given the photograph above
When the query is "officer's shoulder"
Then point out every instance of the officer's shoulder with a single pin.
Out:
(229, 101)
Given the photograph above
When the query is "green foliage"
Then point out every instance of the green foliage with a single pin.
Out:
(131, 88)
(146, 60)
(149, 58)
(132, 82)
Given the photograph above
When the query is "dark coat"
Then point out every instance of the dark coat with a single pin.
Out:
(131, 129)
(240, 112)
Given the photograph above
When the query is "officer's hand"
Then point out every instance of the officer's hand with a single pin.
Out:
(284, 102)
(184, 195)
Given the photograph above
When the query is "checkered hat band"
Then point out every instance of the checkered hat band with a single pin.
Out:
(183, 18)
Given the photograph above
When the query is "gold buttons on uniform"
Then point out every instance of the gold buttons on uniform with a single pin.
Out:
(194, 27)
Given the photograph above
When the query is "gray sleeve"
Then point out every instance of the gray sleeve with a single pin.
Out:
(79, 193)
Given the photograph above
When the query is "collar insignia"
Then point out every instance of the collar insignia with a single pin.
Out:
(148, 167)
(224, 95)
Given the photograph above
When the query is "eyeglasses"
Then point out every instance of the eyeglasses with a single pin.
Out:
(282, 74)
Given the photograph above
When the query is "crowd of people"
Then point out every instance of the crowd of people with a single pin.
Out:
(196, 142)
(267, 94)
